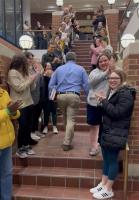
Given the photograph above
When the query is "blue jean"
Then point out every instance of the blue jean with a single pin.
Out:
(6, 174)
(110, 163)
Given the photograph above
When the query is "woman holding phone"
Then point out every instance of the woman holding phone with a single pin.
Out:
(8, 111)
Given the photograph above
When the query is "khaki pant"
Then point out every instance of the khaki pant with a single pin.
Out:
(69, 105)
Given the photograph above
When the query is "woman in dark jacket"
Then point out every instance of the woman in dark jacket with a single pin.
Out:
(117, 111)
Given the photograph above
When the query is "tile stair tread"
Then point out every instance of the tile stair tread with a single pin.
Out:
(60, 172)
(59, 193)
(81, 124)
(77, 116)
(50, 193)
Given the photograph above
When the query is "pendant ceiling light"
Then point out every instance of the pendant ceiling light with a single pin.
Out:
(111, 2)
(136, 1)
(127, 39)
(59, 2)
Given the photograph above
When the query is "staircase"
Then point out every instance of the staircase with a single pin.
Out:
(53, 174)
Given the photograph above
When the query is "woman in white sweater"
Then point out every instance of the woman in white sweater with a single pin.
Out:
(20, 84)
(98, 83)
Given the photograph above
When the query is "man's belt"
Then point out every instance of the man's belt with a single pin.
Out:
(69, 92)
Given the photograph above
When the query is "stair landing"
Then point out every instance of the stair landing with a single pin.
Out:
(60, 193)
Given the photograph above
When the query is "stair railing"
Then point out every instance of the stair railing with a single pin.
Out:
(108, 34)
(126, 152)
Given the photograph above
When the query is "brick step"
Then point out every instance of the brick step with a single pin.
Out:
(83, 98)
(50, 193)
(84, 50)
(83, 41)
(82, 44)
(81, 50)
(79, 119)
(80, 53)
(66, 177)
(84, 63)
(78, 127)
(61, 193)
(80, 47)
(83, 56)
(83, 104)
(64, 160)
(82, 60)
(53, 155)
(82, 111)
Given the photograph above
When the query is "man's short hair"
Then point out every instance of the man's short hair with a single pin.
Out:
(70, 56)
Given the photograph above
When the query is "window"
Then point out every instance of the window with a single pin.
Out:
(1, 18)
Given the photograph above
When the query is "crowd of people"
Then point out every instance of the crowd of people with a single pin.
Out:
(66, 33)
(38, 89)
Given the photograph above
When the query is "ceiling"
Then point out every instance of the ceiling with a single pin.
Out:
(42, 6)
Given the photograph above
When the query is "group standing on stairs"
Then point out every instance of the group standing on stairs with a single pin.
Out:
(110, 104)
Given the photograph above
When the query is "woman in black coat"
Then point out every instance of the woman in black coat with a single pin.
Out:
(117, 112)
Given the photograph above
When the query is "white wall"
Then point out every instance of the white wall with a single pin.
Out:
(38, 53)
(133, 25)
(26, 11)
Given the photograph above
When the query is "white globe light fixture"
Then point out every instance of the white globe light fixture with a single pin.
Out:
(111, 2)
(26, 42)
(127, 39)
(136, 1)
(59, 3)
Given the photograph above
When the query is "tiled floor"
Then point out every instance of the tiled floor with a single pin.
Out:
(58, 193)
(51, 146)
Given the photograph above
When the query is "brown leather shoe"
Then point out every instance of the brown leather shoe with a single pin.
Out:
(67, 147)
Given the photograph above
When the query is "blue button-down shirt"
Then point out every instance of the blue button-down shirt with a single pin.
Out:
(69, 77)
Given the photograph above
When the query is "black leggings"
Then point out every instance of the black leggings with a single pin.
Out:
(24, 130)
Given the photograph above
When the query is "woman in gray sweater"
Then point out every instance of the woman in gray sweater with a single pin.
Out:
(20, 84)
(98, 84)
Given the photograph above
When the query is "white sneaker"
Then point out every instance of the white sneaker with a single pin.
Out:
(39, 134)
(55, 130)
(103, 194)
(45, 130)
(21, 153)
(98, 188)
(35, 137)
(29, 150)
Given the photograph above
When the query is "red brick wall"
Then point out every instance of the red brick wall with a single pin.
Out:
(5, 60)
(56, 21)
(113, 22)
(10, 46)
(131, 66)
(4, 64)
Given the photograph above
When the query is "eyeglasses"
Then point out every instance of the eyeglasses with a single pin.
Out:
(113, 78)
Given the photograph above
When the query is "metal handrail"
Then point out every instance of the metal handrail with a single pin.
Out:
(108, 34)
(36, 30)
(126, 171)
(12, 43)
(124, 14)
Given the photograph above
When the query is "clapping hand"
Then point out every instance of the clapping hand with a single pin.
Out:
(14, 106)
(100, 96)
